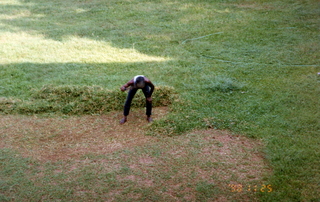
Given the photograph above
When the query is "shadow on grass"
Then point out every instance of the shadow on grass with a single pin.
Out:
(19, 78)
(145, 26)
(122, 23)
(71, 88)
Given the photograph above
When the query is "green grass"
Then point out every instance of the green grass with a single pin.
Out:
(246, 66)
(79, 100)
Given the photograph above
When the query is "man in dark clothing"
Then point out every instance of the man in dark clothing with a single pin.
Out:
(147, 87)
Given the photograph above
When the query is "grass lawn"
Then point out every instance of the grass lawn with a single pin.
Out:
(244, 127)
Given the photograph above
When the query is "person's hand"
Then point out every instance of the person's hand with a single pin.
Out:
(123, 88)
(149, 99)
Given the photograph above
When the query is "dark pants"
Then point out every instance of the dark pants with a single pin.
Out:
(132, 92)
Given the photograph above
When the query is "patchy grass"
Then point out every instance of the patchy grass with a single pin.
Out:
(93, 158)
(72, 137)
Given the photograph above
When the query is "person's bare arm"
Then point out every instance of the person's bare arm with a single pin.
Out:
(151, 86)
(125, 86)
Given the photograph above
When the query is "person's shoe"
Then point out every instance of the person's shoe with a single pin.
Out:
(149, 119)
(122, 121)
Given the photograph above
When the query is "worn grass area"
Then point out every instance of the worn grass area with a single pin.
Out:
(91, 158)
(65, 138)
(246, 66)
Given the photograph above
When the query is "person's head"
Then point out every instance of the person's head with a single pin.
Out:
(139, 82)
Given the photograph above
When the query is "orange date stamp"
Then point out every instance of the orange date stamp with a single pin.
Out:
(250, 188)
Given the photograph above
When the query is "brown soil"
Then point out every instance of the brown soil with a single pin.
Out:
(65, 138)
(227, 160)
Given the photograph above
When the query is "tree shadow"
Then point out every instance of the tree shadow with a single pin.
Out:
(150, 28)
(125, 24)
(18, 79)
(74, 88)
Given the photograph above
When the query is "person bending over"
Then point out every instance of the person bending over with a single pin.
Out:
(147, 87)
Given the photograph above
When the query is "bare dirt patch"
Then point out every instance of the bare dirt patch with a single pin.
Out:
(71, 137)
(202, 164)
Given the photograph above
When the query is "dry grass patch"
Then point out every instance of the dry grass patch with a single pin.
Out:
(72, 137)
(96, 157)
(200, 165)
